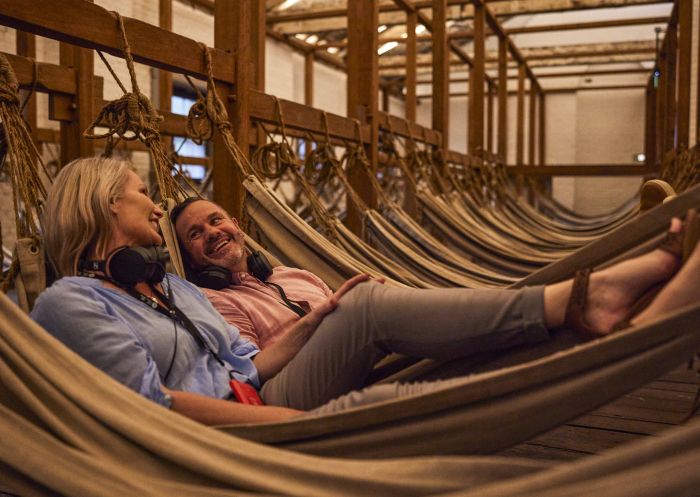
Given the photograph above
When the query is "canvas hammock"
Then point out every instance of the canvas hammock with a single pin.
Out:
(68, 429)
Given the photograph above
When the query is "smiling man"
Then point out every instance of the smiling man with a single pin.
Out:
(209, 236)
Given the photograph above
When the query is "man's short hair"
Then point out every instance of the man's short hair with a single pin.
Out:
(180, 208)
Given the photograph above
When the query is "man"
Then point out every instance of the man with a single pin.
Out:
(209, 236)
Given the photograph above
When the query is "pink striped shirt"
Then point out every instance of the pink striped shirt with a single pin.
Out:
(258, 311)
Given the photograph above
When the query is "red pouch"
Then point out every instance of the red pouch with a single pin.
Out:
(245, 394)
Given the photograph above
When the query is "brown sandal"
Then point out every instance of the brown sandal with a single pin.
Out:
(679, 244)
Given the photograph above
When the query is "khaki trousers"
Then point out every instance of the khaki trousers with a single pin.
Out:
(373, 320)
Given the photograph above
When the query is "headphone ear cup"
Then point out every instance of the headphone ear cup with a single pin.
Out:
(130, 265)
(214, 277)
(259, 266)
(126, 266)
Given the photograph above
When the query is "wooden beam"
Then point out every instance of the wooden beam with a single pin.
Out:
(73, 144)
(670, 69)
(520, 123)
(232, 27)
(411, 54)
(532, 118)
(503, 98)
(149, 44)
(542, 130)
(650, 124)
(309, 79)
(165, 78)
(614, 23)
(50, 77)
(441, 72)
(26, 46)
(363, 88)
(685, 49)
(303, 117)
(476, 100)
(490, 118)
(582, 170)
(500, 8)
(258, 37)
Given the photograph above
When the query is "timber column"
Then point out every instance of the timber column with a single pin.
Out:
(234, 28)
(363, 89)
(441, 73)
(476, 83)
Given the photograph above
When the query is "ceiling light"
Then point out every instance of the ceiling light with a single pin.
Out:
(382, 28)
(286, 4)
(333, 49)
(312, 39)
(419, 29)
(387, 46)
(301, 36)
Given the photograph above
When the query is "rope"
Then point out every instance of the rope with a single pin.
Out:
(20, 157)
(133, 117)
(208, 112)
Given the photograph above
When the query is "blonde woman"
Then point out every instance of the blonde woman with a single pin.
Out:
(159, 335)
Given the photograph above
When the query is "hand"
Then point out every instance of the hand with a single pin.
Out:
(314, 318)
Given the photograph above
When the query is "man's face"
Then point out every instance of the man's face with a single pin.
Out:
(211, 237)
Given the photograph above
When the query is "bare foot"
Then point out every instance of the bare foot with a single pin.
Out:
(613, 291)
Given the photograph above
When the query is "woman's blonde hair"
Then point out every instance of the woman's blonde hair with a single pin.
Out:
(77, 215)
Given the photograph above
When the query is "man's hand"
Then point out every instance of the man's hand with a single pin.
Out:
(271, 360)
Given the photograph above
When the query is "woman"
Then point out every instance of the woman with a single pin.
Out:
(164, 340)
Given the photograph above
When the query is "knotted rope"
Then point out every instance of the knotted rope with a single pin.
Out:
(133, 117)
(208, 112)
(20, 158)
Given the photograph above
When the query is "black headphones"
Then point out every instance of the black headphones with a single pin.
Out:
(217, 277)
(131, 265)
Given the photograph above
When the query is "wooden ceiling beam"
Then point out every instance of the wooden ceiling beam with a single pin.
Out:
(99, 32)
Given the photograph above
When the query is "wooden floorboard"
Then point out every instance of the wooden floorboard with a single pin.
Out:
(647, 411)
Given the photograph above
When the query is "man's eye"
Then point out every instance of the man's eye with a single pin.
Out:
(194, 235)
(216, 221)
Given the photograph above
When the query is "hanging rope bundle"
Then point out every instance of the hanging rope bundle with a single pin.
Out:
(133, 117)
(21, 161)
(20, 156)
(209, 111)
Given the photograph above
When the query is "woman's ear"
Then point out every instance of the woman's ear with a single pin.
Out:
(114, 204)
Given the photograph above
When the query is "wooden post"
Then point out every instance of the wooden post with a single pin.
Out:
(532, 118)
(258, 37)
(73, 144)
(165, 78)
(26, 46)
(650, 124)
(309, 78)
(542, 133)
(660, 97)
(670, 116)
(476, 100)
(441, 72)
(232, 33)
(411, 59)
(685, 47)
(363, 88)
(489, 116)
(503, 98)
(520, 124)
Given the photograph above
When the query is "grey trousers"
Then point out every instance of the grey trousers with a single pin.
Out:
(373, 320)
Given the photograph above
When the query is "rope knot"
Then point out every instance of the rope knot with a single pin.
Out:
(9, 86)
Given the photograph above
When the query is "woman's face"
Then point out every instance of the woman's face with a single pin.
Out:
(135, 216)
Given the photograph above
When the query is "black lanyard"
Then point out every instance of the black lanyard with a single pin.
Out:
(173, 312)
(291, 304)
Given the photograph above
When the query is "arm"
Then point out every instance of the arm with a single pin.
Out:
(220, 412)
(270, 361)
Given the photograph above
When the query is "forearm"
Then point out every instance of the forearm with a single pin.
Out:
(271, 360)
(220, 412)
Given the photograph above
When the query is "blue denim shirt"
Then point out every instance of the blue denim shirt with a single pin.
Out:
(135, 344)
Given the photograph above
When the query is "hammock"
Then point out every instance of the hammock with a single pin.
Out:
(66, 412)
